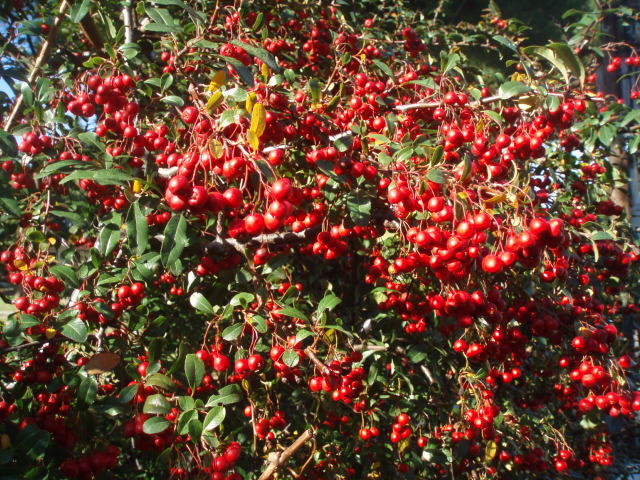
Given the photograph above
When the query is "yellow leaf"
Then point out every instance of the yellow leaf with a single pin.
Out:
(251, 99)
(265, 70)
(50, 333)
(527, 102)
(253, 139)
(216, 148)
(404, 444)
(214, 101)
(496, 199)
(219, 79)
(52, 241)
(137, 186)
(490, 451)
(519, 77)
(258, 119)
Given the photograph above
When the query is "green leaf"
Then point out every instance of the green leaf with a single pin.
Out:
(32, 442)
(194, 370)
(512, 89)
(566, 55)
(137, 229)
(562, 57)
(241, 69)
(606, 134)
(156, 404)
(328, 302)
(343, 142)
(11, 205)
(226, 396)
(236, 94)
(506, 42)
(66, 273)
(291, 358)
(259, 323)
(448, 61)
(258, 23)
(55, 167)
(112, 176)
(292, 312)
(632, 116)
(160, 380)
(183, 421)
(177, 365)
(260, 53)
(175, 240)
(91, 139)
(162, 28)
(173, 100)
(601, 235)
(233, 331)
(437, 176)
(27, 94)
(87, 390)
(302, 334)
(155, 425)
(12, 329)
(195, 429)
(79, 10)
(75, 330)
(384, 67)
(359, 208)
(8, 144)
(93, 62)
(437, 155)
(127, 393)
(243, 299)
(214, 418)
(200, 303)
(495, 116)
(109, 238)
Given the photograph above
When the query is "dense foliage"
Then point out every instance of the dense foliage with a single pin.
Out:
(317, 242)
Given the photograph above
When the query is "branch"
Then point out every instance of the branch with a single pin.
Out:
(278, 459)
(127, 19)
(39, 343)
(220, 243)
(324, 370)
(494, 98)
(44, 52)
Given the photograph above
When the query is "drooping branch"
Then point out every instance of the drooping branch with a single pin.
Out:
(42, 56)
(278, 459)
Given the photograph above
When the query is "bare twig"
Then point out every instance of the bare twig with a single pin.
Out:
(44, 52)
(278, 459)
